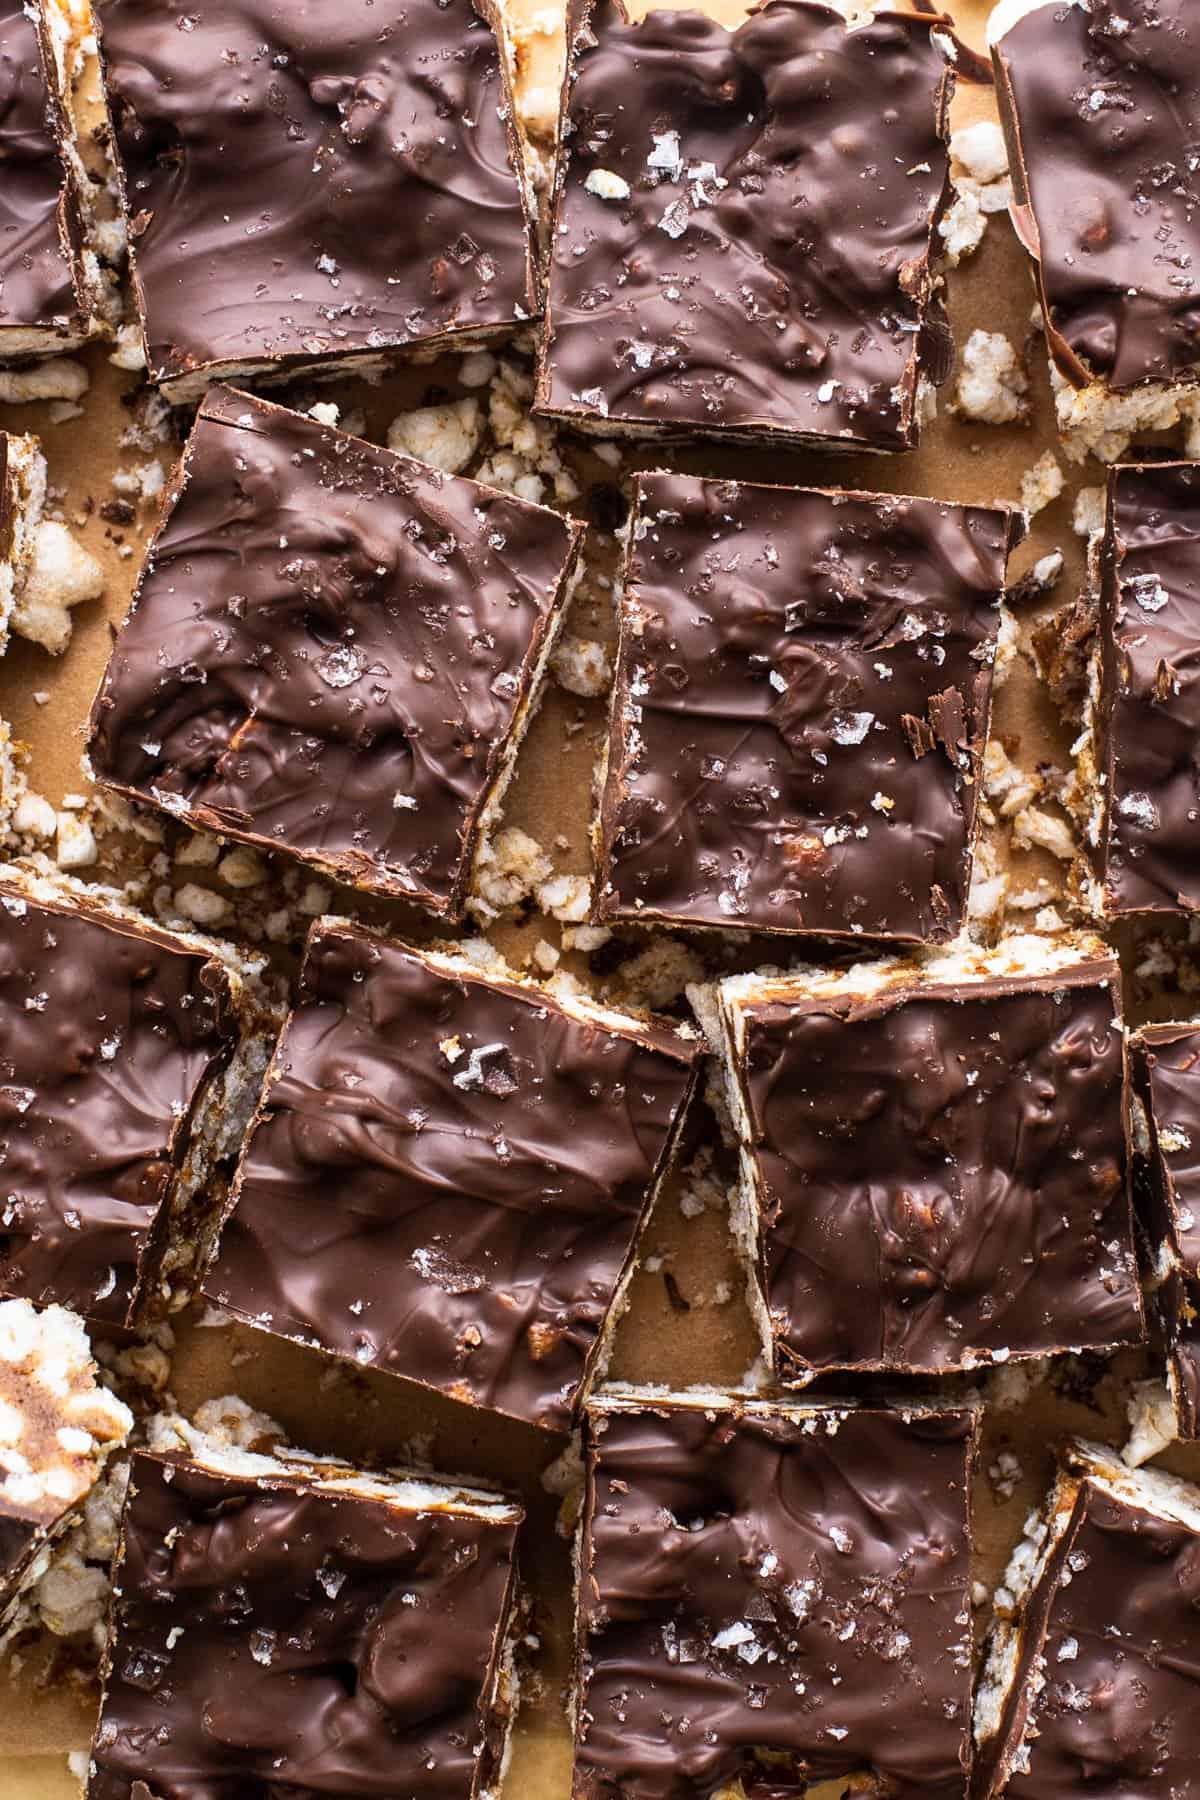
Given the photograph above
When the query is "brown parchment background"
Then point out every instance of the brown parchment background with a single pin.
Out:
(351, 1413)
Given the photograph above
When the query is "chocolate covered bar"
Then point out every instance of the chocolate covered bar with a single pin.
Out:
(1166, 1136)
(933, 1148)
(1140, 748)
(58, 1427)
(288, 1625)
(1101, 109)
(53, 291)
(772, 1595)
(743, 227)
(130, 1059)
(319, 188)
(449, 1173)
(1090, 1682)
(332, 651)
(801, 700)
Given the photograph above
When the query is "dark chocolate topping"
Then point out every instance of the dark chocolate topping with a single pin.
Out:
(801, 702)
(1118, 1713)
(768, 268)
(1103, 122)
(944, 1173)
(328, 648)
(107, 1037)
(308, 181)
(36, 276)
(1166, 1064)
(751, 1583)
(448, 1176)
(19, 1534)
(1150, 691)
(274, 1641)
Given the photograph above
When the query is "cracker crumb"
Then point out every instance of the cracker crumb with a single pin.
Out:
(58, 379)
(1041, 483)
(62, 575)
(583, 666)
(75, 842)
(129, 352)
(992, 386)
(446, 437)
(200, 904)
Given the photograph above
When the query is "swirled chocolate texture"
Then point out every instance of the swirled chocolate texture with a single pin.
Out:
(775, 1598)
(1106, 1688)
(942, 1172)
(743, 223)
(308, 184)
(1148, 723)
(273, 1639)
(1101, 107)
(332, 650)
(448, 1175)
(110, 1035)
(42, 301)
(1166, 1064)
(801, 700)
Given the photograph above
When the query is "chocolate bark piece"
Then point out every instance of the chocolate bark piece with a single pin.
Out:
(449, 1173)
(127, 1070)
(772, 1595)
(286, 1626)
(1146, 820)
(743, 227)
(1090, 1683)
(50, 283)
(801, 701)
(323, 187)
(58, 1427)
(332, 651)
(934, 1164)
(1166, 1075)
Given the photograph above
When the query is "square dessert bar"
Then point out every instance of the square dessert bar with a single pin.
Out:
(1166, 1135)
(772, 1595)
(287, 1626)
(1090, 1682)
(130, 1059)
(743, 227)
(319, 187)
(58, 1427)
(51, 286)
(1101, 109)
(332, 651)
(801, 701)
(934, 1167)
(1145, 694)
(449, 1173)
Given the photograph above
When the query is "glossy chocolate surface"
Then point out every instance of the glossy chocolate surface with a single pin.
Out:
(448, 1176)
(1149, 725)
(801, 701)
(1102, 113)
(307, 182)
(774, 1600)
(943, 1173)
(329, 650)
(1166, 1063)
(767, 269)
(276, 1641)
(107, 1039)
(37, 202)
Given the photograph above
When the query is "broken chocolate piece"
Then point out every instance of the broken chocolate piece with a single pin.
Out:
(449, 1173)
(1166, 1071)
(332, 651)
(801, 701)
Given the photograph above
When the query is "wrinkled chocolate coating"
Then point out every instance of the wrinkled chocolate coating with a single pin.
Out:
(791, 661)
(38, 204)
(794, 297)
(447, 1177)
(312, 181)
(1149, 733)
(276, 1642)
(107, 1038)
(1118, 1715)
(943, 1172)
(1102, 112)
(1166, 1064)
(841, 1552)
(327, 649)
